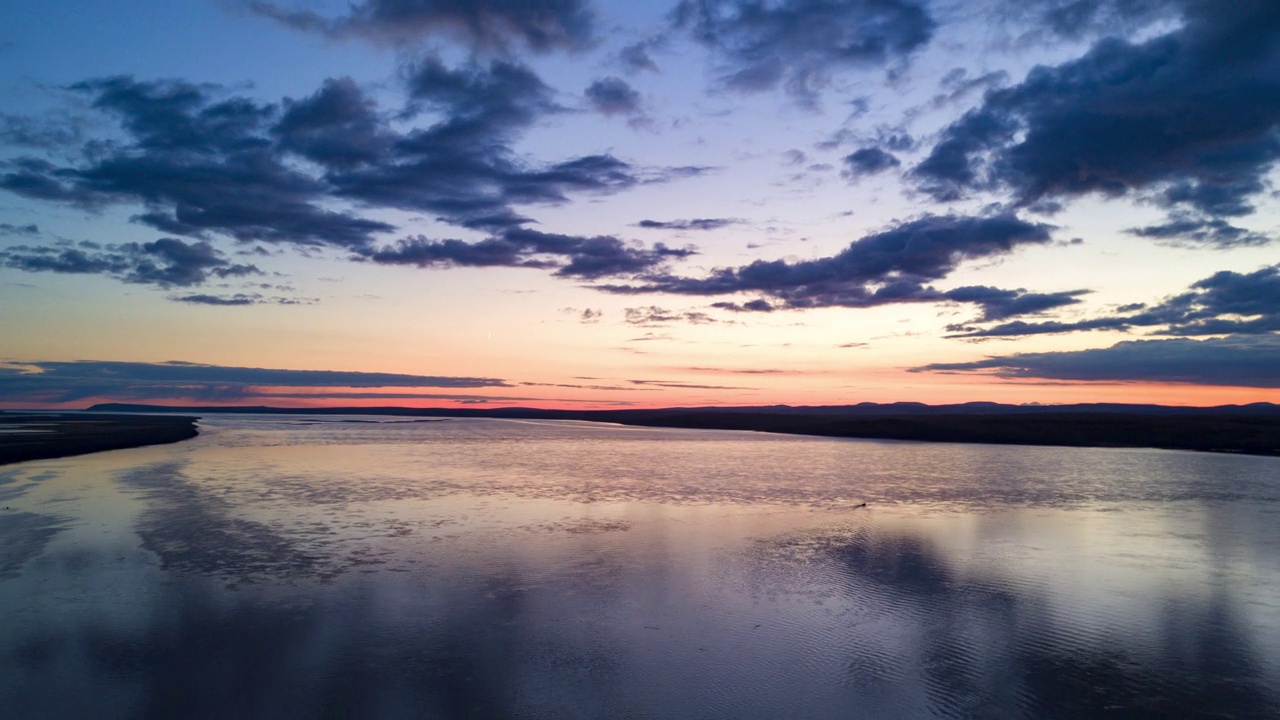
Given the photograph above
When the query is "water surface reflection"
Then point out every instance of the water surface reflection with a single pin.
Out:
(535, 571)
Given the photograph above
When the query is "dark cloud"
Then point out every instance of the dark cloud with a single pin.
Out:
(635, 57)
(1225, 302)
(757, 305)
(462, 167)
(494, 25)
(165, 263)
(694, 224)
(613, 96)
(891, 266)
(337, 127)
(221, 300)
(1242, 361)
(239, 299)
(799, 44)
(1201, 230)
(869, 161)
(198, 163)
(1188, 119)
(654, 316)
(24, 230)
(571, 256)
(1075, 19)
(70, 381)
(21, 131)
(998, 303)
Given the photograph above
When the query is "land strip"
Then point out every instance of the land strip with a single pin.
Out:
(37, 436)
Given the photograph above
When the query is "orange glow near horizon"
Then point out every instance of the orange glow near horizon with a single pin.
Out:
(1011, 392)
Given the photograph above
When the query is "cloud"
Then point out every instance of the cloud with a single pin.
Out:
(61, 382)
(998, 303)
(337, 127)
(869, 161)
(588, 258)
(758, 305)
(24, 230)
(613, 96)
(196, 162)
(891, 266)
(800, 44)
(22, 131)
(1225, 302)
(1075, 19)
(199, 163)
(685, 386)
(240, 299)
(491, 25)
(1206, 231)
(1241, 361)
(694, 224)
(165, 263)
(1188, 120)
(654, 316)
(635, 57)
(462, 167)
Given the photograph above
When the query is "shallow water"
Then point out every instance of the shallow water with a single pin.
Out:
(331, 567)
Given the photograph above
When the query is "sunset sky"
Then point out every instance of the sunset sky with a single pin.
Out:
(581, 203)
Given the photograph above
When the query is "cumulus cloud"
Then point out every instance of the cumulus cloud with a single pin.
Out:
(587, 258)
(800, 44)
(493, 25)
(1225, 302)
(200, 163)
(60, 382)
(1188, 119)
(165, 263)
(999, 303)
(869, 161)
(1242, 361)
(613, 96)
(197, 162)
(891, 266)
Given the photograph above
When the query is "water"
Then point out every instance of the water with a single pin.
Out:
(338, 567)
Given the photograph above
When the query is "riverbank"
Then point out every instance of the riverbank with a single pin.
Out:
(1242, 429)
(1242, 434)
(40, 436)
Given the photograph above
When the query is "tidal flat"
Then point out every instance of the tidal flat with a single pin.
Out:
(337, 567)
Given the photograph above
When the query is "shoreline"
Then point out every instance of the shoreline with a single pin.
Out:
(1231, 434)
(1246, 430)
(28, 436)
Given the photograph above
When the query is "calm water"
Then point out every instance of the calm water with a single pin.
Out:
(325, 567)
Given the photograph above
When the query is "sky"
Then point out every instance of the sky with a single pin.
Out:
(595, 204)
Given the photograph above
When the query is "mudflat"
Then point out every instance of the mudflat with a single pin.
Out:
(37, 436)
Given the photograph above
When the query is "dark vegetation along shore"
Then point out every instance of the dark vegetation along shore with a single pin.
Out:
(36, 436)
(1250, 429)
